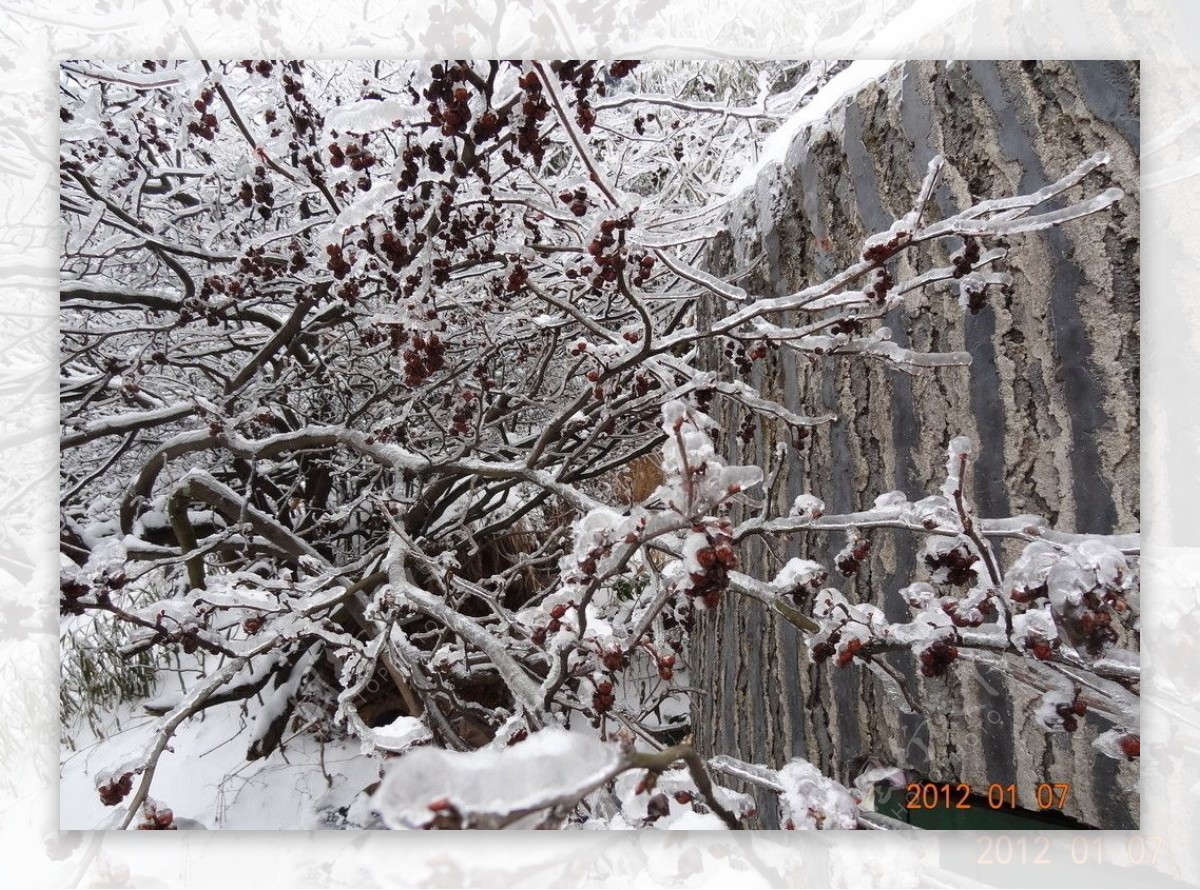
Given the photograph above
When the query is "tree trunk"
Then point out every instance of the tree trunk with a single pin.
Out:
(1050, 401)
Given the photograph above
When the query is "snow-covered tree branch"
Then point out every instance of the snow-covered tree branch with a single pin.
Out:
(393, 399)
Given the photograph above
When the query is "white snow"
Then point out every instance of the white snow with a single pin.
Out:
(401, 734)
(369, 115)
(811, 801)
(840, 87)
(807, 506)
(492, 782)
(800, 573)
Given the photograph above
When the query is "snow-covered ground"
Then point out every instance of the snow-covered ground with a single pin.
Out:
(210, 781)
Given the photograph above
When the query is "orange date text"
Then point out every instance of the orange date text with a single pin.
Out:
(961, 796)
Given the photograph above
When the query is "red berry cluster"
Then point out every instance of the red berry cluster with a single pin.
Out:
(716, 561)
(657, 807)
(1095, 625)
(338, 264)
(614, 659)
(206, 98)
(411, 171)
(1069, 712)
(643, 383)
(937, 657)
(1029, 594)
(745, 358)
(358, 156)
(557, 613)
(396, 250)
(583, 76)
(576, 200)
(877, 291)
(606, 251)
(155, 818)
(260, 191)
(153, 132)
(965, 258)
(1042, 649)
(1131, 746)
(308, 122)
(666, 667)
(639, 123)
(253, 624)
(449, 98)
(973, 617)
(956, 565)
(487, 126)
(822, 650)
(207, 126)
(261, 67)
(849, 651)
(534, 110)
(850, 559)
(218, 284)
(603, 698)
(881, 251)
(517, 279)
(255, 265)
(848, 326)
(645, 265)
(298, 261)
(976, 297)
(590, 563)
(116, 790)
(748, 429)
(424, 357)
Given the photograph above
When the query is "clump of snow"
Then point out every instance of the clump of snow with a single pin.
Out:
(671, 802)
(811, 801)
(891, 499)
(1029, 573)
(1119, 743)
(933, 512)
(401, 734)
(1066, 573)
(844, 626)
(808, 507)
(693, 821)
(799, 575)
(697, 478)
(693, 544)
(1090, 565)
(369, 115)
(1032, 627)
(839, 88)
(490, 786)
(958, 452)
(596, 533)
(919, 596)
(1051, 709)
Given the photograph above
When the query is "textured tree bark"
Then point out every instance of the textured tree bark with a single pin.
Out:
(1051, 402)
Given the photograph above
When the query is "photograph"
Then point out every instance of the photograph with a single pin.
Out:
(599, 444)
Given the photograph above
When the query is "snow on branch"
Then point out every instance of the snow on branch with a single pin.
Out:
(406, 407)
